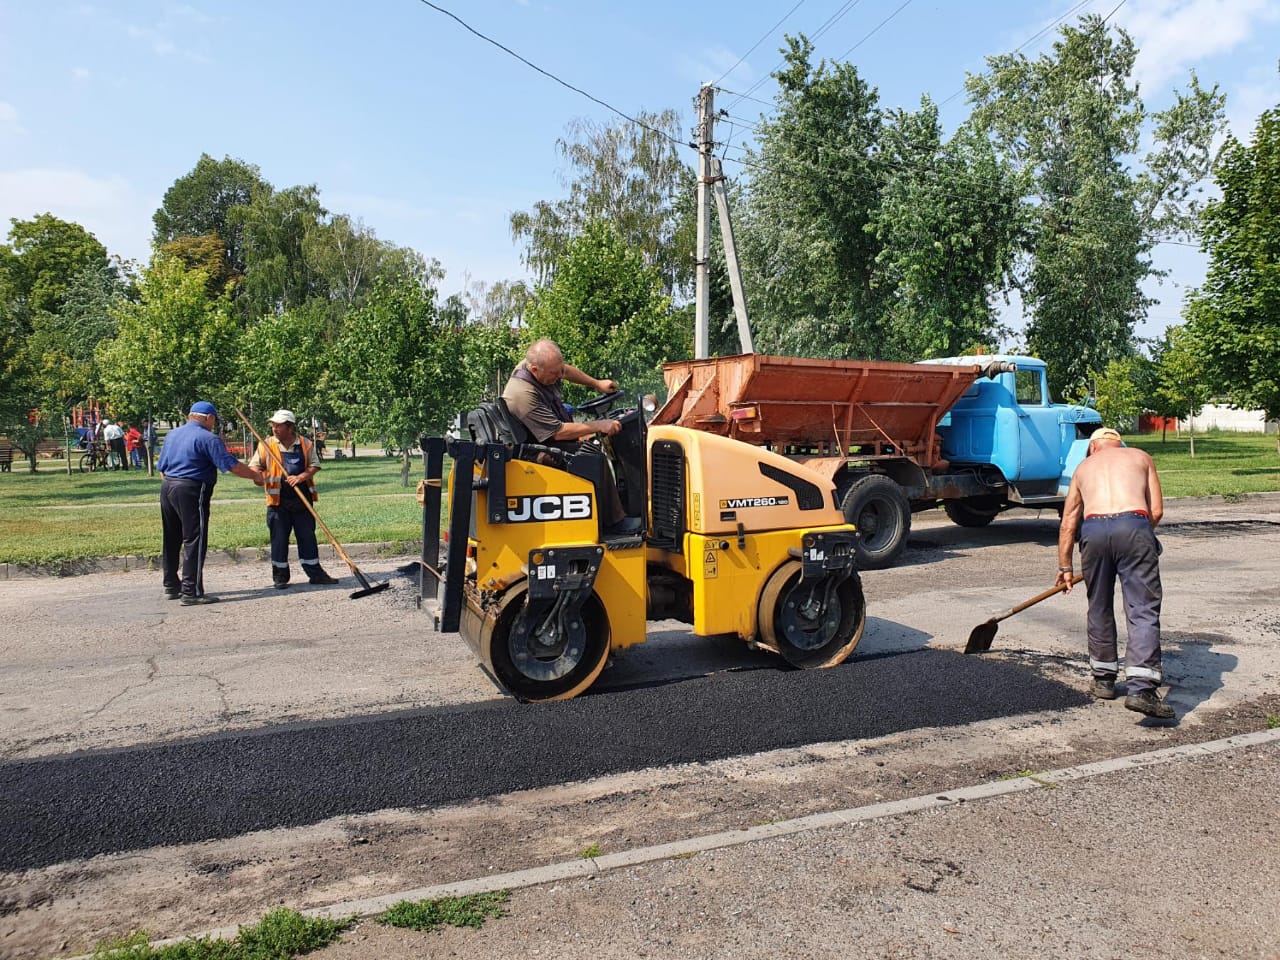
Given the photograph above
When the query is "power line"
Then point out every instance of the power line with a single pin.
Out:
(905, 4)
(826, 25)
(762, 39)
(1034, 37)
(547, 73)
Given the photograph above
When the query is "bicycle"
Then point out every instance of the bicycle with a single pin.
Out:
(95, 458)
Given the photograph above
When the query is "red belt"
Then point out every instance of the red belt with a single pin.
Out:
(1124, 513)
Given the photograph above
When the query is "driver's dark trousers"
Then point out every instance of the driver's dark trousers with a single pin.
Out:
(1123, 545)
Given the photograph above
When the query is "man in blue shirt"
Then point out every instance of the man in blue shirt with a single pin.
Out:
(190, 460)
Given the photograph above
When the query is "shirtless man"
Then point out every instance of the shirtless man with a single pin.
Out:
(1118, 493)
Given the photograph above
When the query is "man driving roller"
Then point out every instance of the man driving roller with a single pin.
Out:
(533, 397)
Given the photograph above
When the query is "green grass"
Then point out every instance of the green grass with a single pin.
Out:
(428, 915)
(590, 852)
(1273, 721)
(1226, 465)
(49, 516)
(279, 935)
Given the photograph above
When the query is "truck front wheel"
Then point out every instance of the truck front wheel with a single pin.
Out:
(971, 513)
(879, 509)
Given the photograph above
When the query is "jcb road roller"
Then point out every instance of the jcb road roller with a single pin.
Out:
(730, 538)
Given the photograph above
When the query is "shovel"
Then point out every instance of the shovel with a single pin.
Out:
(367, 588)
(984, 633)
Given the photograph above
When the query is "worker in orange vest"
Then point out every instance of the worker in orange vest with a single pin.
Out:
(289, 463)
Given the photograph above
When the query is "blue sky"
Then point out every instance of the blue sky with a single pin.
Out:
(434, 137)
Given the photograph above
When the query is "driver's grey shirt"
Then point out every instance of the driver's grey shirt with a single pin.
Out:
(529, 407)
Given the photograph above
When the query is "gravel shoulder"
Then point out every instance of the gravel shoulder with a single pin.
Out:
(101, 661)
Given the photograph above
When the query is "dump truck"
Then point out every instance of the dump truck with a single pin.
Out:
(976, 435)
(736, 540)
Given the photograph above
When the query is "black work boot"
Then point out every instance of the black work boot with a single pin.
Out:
(316, 574)
(1104, 688)
(280, 577)
(1147, 702)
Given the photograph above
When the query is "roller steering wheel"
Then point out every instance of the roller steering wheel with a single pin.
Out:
(599, 403)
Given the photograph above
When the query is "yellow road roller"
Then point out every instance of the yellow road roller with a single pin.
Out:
(730, 538)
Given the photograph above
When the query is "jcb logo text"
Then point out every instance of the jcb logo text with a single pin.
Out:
(569, 506)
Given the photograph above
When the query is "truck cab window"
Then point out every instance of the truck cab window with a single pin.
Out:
(1027, 387)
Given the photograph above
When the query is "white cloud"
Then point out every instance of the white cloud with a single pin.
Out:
(1175, 34)
(80, 73)
(1246, 103)
(110, 207)
(9, 124)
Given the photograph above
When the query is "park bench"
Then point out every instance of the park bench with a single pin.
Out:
(6, 458)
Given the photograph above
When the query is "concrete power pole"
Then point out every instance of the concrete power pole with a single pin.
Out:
(702, 291)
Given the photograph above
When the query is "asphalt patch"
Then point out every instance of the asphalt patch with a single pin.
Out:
(76, 806)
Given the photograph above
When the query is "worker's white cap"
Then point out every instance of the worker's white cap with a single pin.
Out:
(283, 416)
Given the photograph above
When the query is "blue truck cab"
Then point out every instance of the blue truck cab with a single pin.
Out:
(1006, 430)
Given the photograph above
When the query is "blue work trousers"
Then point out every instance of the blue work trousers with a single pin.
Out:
(1123, 545)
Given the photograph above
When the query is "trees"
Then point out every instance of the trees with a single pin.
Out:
(807, 244)
(947, 222)
(55, 284)
(176, 344)
(1071, 122)
(630, 176)
(1180, 379)
(201, 202)
(1235, 316)
(398, 369)
(607, 311)
(1117, 390)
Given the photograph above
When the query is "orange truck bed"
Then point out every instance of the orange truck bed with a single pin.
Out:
(829, 407)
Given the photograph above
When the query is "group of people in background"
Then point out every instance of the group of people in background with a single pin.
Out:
(127, 445)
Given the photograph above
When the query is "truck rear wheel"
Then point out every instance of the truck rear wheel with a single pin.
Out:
(971, 513)
(877, 506)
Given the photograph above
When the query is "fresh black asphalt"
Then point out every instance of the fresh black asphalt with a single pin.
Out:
(76, 806)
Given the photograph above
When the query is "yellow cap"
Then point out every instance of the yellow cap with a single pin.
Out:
(1105, 433)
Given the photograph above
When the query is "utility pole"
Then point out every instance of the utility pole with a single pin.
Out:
(702, 291)
(731, 260)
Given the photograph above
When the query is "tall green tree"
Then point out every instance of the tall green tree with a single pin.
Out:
(629, 175)
(1071, 123)
(1235, 316)
(607, 311)
(808, 239)
(274, 228)
(201, 202)
(947, 222)
(283, 362)
(398, 370)
(176, 344)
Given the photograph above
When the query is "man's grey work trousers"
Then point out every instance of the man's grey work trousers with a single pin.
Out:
(1123, 545)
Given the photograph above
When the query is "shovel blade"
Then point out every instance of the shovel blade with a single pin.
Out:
(980, 639)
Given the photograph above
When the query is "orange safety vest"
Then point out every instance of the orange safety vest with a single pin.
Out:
(273, 469)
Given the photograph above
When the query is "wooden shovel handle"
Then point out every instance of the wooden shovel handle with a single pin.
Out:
(1040, 596)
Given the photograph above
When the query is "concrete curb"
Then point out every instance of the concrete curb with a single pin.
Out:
(87, 565)
(573, 869)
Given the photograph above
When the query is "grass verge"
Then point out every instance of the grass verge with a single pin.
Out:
(428, 915)
(48, 517)
(1226, 464)
(280, 935)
